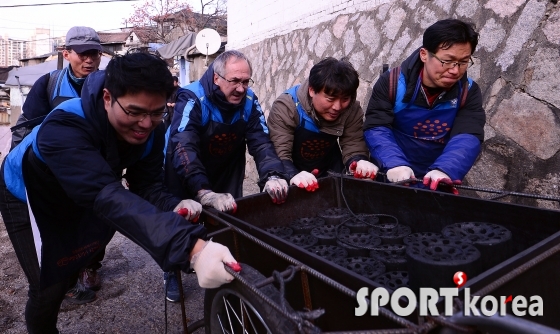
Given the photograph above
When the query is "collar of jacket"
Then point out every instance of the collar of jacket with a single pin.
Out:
(411, 68)
(336, 127)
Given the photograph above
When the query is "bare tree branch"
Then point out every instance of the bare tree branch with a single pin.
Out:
(167, 20)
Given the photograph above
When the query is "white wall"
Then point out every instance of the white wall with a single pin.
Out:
(251, 21)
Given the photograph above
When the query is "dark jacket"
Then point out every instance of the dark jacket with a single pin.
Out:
(459, 148)
(207, 140)
(78, 198)
(38, 103)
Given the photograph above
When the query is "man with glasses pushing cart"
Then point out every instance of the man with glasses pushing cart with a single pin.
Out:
(83, 53)
(425, 118)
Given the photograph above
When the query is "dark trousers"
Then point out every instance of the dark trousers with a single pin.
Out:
(41, 310)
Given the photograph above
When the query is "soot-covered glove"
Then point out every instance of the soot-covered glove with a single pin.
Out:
(277, 189)
(219, 201)
(208, 264)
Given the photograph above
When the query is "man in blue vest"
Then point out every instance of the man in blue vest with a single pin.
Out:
(432, 126)
(83, 53)
(70, 168)
(317, 126)
(215, 119)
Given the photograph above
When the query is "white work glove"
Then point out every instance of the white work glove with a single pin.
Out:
(277, 189)
(363, 169)
(189, 209)
(400, 173)
(434, 177)
(208, 264)
(219, 201)
(305, 180)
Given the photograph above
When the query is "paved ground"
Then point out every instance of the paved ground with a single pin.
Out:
(130, 301)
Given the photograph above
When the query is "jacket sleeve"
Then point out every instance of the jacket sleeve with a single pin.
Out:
(458, 156)
(352, 141)
(184, 141)
(81, 170)
(36, 104)
(379, 111)
(37, 101)
(385, 151)
(378, 133)
(471, 117)
(145, 177)
(166, 236)
(467, 135)
(260, 146)
(282, 122)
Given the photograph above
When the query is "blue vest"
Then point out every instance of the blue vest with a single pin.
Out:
(13, 174)
(313, 149)
(62, 89)
(420, 132)
(304, 120)
(210, 111)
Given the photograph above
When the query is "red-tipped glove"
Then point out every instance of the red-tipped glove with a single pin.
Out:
(277, 189)
(363, 169)
(305, 180)
(189, 209)
(436, 177)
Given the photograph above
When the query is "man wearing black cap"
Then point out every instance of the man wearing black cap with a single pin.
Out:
(83, 53)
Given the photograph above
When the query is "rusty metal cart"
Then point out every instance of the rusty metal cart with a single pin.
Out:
(284, 288)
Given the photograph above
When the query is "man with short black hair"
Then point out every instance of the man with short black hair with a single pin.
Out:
(83, 53)
(433, 126)
(69, 169)
(317, 126)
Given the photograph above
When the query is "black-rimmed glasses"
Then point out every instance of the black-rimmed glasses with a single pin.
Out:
(156, 116)
(93, 54)
(452, 64)
(236, 82)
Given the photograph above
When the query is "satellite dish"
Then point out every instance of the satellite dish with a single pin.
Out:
(208, 41)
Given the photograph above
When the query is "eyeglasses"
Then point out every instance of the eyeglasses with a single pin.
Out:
(93, 54)
(236, 82)
(451, 64)
(156, 116)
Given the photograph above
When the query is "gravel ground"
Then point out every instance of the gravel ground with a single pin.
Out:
(131, 299)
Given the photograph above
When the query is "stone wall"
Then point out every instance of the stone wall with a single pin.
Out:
(517, 66)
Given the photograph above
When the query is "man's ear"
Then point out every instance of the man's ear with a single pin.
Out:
(106, 99)
(311, 91)
(66, 54)
(423, 55)
(216, 77)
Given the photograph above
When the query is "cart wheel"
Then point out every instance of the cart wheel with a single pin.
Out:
(234, 308)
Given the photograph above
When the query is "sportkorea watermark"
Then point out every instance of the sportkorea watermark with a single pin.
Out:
(428, 298)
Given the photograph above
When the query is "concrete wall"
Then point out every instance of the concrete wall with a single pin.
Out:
(516, 64)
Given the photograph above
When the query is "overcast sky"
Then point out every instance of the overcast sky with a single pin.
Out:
(20, 22)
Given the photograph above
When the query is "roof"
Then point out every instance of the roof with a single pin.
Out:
(113, 37)
(4, 72)
(177, 47)
(144, 33)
